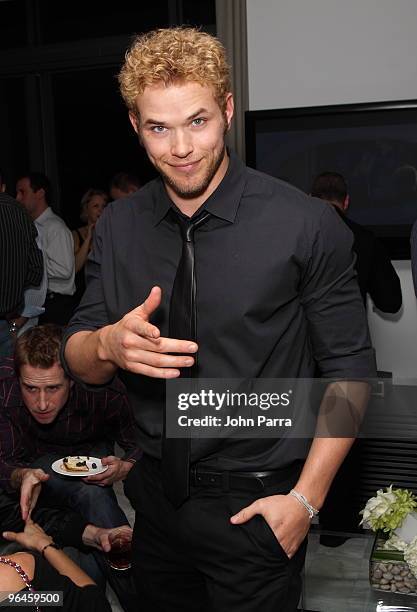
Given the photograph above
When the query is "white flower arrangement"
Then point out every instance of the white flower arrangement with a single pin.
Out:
(388, 509)
(392, 511)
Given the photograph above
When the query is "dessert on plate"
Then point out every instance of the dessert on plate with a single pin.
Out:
(77, 463)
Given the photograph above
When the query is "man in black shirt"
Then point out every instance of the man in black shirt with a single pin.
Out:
(376, 274)
(275, 294)
(21, 265)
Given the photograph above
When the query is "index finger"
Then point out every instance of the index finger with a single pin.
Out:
(24, 502)
(165, 345)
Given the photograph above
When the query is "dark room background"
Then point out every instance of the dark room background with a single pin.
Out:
(60, 108)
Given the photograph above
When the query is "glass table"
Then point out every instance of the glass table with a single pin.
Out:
(336, 579)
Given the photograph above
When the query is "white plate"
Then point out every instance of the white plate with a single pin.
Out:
(56, 466)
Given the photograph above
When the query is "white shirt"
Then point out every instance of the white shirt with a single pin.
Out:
(58, 249)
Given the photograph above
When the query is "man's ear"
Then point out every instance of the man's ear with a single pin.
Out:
(40, 193)
(346, 202)
(230, 107)
(2, 187)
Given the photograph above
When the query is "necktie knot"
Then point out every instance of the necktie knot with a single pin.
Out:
(188, 226)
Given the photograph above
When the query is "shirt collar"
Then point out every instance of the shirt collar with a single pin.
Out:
(44, 216)
(223, 202)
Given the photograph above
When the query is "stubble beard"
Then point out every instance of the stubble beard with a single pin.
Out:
(194, 190)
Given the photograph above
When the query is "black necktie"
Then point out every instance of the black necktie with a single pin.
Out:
(175, 462)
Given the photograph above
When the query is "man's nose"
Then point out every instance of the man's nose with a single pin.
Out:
(181, 144)
(43, 401)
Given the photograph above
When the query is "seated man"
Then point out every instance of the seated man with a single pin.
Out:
(46, 416)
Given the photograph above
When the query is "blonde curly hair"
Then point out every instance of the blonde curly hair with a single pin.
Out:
(174, 55)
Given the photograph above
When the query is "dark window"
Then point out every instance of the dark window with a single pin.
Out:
(83, 19)
(200, 14)
(94, 137)
(13, 20)
(14, 151)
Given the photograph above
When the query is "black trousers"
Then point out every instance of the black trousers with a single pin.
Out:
(194, 560)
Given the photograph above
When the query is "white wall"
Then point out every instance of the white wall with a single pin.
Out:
(316, 52)
(319, 52)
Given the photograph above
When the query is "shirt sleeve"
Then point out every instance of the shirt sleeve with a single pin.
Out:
(34, 297)
(384, 283)
(91, 313)
(59, 250)
(10, 441)
(333, 306)
(122, 424)
(34, 270)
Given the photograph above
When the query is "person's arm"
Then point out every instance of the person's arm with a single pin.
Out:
(384, 283)
(81, 252)
(29, 482)
(34, 269)
(11, 442)
(341, 347)
(286, 516)
(132, 343)
(34, 297)
(34, 538)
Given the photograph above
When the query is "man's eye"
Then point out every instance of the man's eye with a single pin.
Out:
(198, 121)
(158, 129)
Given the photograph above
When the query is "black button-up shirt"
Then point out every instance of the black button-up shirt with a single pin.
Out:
(276, 296)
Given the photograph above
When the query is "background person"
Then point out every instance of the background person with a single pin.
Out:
(93, 203)
(123, 184)
(21, 266)
(46, 416)
(33, 192)
(376, 274)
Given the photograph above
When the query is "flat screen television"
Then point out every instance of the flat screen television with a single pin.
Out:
(373, 145)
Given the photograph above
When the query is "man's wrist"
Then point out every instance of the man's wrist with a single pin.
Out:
(89, 535)
(126, 467)
(102, 341)
(17, 477)
(43, 542)
(303, 501)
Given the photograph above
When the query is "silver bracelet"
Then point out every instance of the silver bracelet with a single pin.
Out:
(310, 509)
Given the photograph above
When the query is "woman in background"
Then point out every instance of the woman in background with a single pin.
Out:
(93, 203)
